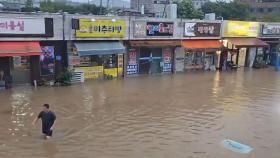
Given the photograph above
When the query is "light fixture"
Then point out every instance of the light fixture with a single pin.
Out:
(92, 19)
(114, 20)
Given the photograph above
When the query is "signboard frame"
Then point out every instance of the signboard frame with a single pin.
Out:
(101, 28)
(270, 30)
(202, 29)
(160, 29)
(17, 27)
(241, 29)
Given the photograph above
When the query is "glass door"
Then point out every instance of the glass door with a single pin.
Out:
(144, 61)
(156, 64)
(21, 70)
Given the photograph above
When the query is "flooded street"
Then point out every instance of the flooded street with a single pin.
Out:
(179, 116)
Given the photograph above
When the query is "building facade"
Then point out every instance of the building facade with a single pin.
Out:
(98, 47)
(263, 6)
(157, 7)
(29, 53)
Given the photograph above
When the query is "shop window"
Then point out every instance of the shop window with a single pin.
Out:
(198, 58)
(189, 58)
(110, 61)
(193, 60)
(157, 52)
(21, 62)
(260, 10)
(209, 61)
(85, 61)
(94, 60)
(269, 9)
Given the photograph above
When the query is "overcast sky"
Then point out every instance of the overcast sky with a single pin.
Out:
(90, 0)
(111, 0)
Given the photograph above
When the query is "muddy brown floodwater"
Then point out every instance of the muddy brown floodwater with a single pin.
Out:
(167, 116)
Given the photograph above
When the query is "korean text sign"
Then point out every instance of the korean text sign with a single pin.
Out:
(271, 29)
(241, 29)
(132, 66)
(22, 26)
(101, 28)
(159, 29)
(201, 29)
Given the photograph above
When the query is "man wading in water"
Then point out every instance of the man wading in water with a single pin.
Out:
(48, 121)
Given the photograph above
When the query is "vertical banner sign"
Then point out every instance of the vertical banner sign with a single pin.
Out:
(47, 61)
(120, 64)
(120, 60)
(132, 67)
(167, 60)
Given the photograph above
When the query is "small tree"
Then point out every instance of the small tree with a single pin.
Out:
(233, 10)
(267, 18)
(52, 7)
(186, 10)
(28, 6)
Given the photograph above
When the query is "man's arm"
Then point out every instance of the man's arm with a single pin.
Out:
(53, 125)
(54, 120)
(37, 118)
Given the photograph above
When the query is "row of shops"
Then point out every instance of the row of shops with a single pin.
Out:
(101, 47)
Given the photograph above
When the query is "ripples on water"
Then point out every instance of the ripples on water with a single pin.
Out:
(182, 115)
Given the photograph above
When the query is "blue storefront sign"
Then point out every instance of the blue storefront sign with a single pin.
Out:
(131, 69)
(132, 66)
(167, 66)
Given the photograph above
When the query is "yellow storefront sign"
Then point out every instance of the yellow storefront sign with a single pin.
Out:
(120, 71)
(101, 28)
(94, 72)
(241, 29)
(111, 72)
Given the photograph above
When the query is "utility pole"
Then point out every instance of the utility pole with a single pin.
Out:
(100, 8)
(107, 4)
(88, 6)
(138, 5)
(164, 10)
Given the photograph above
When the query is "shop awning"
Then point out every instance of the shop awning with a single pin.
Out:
(10, 49)
(99, 48)
(202, 44)
(247, 42)
(155, 43)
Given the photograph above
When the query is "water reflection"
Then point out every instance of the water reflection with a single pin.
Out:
(183, 115)
(20, 103)
(49, 148)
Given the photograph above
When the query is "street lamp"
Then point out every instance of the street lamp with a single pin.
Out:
(220, 17)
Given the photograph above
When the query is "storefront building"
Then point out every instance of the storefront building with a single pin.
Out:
(29, 53)
(201, 47)
(270, 33)
(151, 48)
(244, 48)
(97, 49)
